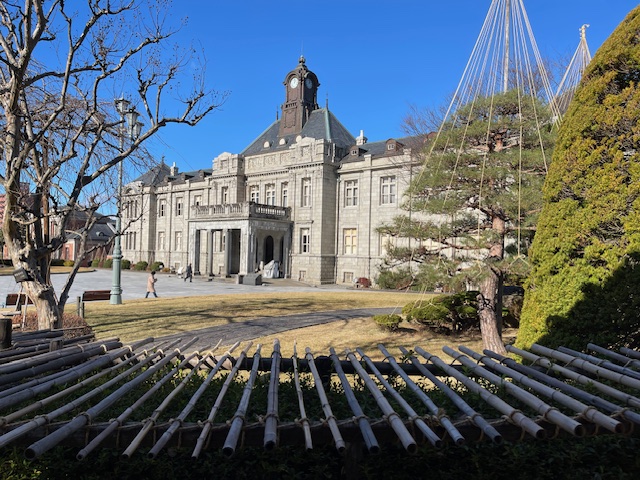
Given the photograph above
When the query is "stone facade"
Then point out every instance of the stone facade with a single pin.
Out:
(306, 194)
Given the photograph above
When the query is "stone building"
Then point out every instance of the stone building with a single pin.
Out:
(305, 194)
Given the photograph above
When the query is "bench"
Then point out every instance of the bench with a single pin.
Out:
(92, 296)
(18, 300)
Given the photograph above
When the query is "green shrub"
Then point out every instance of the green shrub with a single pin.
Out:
(141, 266)
(68, 263)
(107, 263)
(57, 262)
(95, 263)
(157, 266)
(585, 256)
(454, 312)
(125, 264)
(399, 279)
(388, 322)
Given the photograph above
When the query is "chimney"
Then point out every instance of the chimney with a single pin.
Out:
(361, 140)
(173, 171)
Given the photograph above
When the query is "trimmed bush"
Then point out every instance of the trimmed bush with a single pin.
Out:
(141, 266)
(68, 263)
(586, 252)
(95, 263)
(388, 322)
(108, 263)
(157, 266)
(125, 264)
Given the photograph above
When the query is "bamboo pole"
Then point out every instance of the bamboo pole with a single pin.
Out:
(368, 436)
(326, 407)
(475, 418)
(429, 434)
(216, 406)
(602, 363)
(21, 369)
(513, 415)
(630, 353)
(436, 412)
(626, 361)
(41, 446)
(585, 411)
(271, 421)
(587, 366)
(115, 424)
(151, 421)
(166, 436)
(629, 400)
(304, 421)
(238, 420)
(590, 398)
(69, 390)
(39, 421)
(550, 413)
(392, 418)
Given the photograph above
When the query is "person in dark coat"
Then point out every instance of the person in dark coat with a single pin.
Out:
(188, 273)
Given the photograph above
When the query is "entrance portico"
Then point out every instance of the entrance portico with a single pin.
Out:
(239, 238)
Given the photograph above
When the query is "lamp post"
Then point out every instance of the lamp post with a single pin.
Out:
(129, 127)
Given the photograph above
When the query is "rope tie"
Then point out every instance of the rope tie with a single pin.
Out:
(237, 415)
(325, 421)
(302, 421)
(270, 415)
(356, 419)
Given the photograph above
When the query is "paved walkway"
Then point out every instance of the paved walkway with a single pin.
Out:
(260, 327)
(134, 285)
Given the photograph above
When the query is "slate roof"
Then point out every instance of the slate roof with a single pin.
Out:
(322, 124)
(155, 175)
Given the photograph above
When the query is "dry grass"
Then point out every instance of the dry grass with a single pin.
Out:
(363, 333)
(136, 319)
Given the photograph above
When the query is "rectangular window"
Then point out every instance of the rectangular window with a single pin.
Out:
(284, 192)
(224, 195)
(177, 244)
(350, 241)
(254, 193)
(270, 193)
(306, 192)
(347, 277)
(197, 200)
(350, 193)
(388, 190)
(160, 241)
(162, 208)
(305, 240)
(386, 242)
(179, 207)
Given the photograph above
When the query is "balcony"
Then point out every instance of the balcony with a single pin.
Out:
(242, 210)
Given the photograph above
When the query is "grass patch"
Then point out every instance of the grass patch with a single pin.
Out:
(142, 318)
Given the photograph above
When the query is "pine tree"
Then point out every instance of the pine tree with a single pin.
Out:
(585, 276)
(477, 196)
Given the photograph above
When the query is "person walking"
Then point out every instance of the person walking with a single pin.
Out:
(151, 284)
(188, 273)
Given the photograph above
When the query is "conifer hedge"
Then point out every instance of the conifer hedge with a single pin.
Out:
(585, 280)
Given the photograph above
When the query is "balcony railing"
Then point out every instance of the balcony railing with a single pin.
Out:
(241, 210)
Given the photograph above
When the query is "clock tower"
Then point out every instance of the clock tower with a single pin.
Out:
(301, 98)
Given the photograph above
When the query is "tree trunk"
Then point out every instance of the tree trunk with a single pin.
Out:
(490, 313)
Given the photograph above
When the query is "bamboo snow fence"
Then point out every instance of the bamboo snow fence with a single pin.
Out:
(149, 397)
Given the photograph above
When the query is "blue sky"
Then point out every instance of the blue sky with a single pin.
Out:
(373, 58)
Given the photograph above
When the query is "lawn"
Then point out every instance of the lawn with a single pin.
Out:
(137, 319)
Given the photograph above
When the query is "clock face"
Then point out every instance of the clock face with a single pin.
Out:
(308, 83)
(293, 82)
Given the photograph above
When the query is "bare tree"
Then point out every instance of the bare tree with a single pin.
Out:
(61, 66)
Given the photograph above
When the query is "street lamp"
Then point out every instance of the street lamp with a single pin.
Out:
(129, 127)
